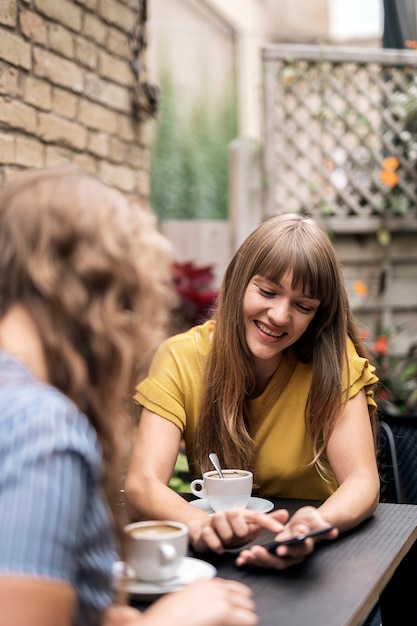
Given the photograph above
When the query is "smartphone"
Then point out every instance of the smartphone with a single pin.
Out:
(271, 547)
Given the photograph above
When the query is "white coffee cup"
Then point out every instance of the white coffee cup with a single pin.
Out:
(156, 548)
(232, 491)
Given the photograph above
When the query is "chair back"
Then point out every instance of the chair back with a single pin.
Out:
(397, 458)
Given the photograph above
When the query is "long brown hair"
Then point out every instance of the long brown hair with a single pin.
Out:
(280, 243)
(92, 270)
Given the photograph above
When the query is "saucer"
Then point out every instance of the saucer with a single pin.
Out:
(255, 504)
(190, 569)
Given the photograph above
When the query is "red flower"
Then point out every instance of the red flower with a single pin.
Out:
(382, 394)
(195, 295)
(381, 344)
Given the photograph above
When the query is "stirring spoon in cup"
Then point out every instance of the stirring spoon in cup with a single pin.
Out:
(215, 460)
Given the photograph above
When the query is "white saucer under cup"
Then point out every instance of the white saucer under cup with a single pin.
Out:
(233, 491)
(191, 569)
(261, 505)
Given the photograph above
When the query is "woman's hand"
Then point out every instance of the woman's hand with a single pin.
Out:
(215, 602)
(234, 528)
(306, 519)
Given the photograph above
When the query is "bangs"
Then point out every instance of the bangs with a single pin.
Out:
(312, 270)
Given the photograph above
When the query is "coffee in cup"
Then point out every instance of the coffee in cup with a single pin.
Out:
(232, 491)
(156, 549)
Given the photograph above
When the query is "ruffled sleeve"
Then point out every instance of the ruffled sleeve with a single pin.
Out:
(161, 391)
(172, 388)
(360, 375)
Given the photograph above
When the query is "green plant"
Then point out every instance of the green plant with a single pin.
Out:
(404, 108)
(397, 387)
(397, 172)
(180, 479)
(189, 156)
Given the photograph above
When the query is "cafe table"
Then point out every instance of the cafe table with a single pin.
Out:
(342, 580)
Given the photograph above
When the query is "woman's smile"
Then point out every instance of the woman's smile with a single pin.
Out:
(276, 315)
(268, 331)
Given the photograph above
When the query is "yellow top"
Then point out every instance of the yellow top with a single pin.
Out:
(276, 418)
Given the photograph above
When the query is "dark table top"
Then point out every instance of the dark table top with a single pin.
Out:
(340, 582)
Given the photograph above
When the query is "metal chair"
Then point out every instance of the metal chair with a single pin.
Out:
(397, 458)
(390, 480)
(397, 463)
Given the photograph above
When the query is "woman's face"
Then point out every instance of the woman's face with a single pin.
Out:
(275, 317)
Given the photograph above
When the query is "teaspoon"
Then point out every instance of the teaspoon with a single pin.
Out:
(215, 460)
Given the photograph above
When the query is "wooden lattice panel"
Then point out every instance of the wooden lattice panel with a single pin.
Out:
(332, 116)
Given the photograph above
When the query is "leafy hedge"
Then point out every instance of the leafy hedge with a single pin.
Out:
(189, 156)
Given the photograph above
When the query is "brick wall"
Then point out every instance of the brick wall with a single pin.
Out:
(65, 89)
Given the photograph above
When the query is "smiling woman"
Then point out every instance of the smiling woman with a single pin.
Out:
(275, 317)
(278, 382)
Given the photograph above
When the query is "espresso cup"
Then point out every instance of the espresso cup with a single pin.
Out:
(156, 549)
(232, 491)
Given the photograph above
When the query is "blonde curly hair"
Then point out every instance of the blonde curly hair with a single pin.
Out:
(90, 266)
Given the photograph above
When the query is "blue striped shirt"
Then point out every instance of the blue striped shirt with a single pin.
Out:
(54, 521)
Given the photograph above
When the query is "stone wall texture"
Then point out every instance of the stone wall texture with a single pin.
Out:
(66, 90)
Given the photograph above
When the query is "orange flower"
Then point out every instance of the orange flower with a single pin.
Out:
(381, 344)
(390, 163)
(410, 43)
(389, 178)
(360, 288)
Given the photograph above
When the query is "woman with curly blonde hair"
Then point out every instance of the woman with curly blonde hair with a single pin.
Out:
(84, 299)
(278, 382)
